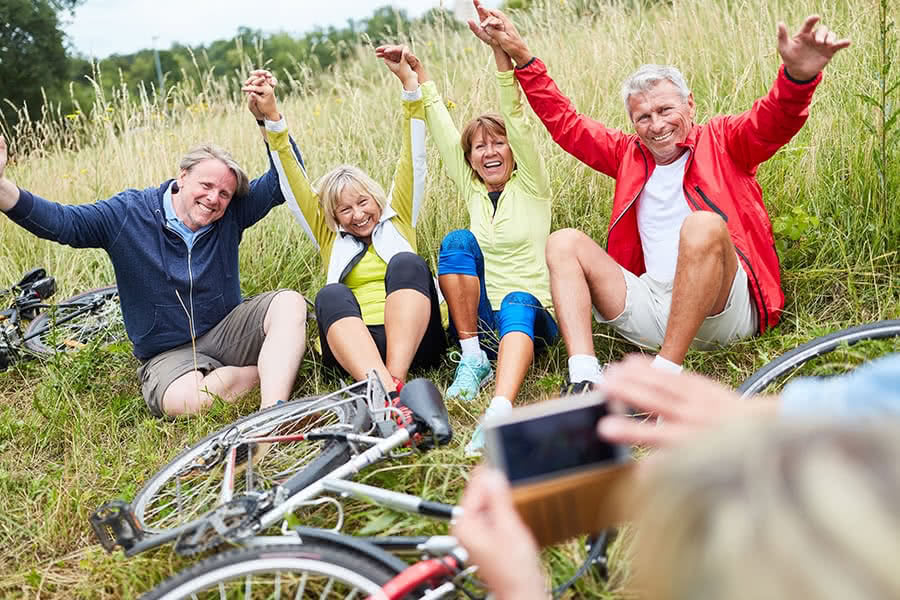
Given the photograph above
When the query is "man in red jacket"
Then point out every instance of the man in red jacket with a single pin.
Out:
(690, 258)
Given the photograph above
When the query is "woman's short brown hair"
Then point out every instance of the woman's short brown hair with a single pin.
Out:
(492, 123)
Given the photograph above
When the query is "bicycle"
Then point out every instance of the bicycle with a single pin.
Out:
(826, 355)
(309, 562)
(68, 325)
(217, 491)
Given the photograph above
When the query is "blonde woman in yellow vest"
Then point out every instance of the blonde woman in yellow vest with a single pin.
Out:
(493, 275)
(379, 309)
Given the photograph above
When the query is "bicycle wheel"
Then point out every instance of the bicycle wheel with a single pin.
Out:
(192, 483)
(314, 569)
(92, 316)
(830, 354)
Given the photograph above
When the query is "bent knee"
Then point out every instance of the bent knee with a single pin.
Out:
(459, 240)
(287, 306)
(562, 244)
(702, 231)
(330, 294)
(408, 262)
(523, 299)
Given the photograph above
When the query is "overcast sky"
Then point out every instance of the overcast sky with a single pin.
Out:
(103, 27)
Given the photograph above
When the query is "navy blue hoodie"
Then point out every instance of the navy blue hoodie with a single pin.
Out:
(154, 268)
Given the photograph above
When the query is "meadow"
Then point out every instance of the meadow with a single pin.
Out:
(74, 431)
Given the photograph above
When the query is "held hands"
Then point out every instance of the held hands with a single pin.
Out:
(260, 90)
(809, 50)
(402, 63)
(496, 27)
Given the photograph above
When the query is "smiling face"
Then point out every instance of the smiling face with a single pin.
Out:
(357, 212)
(662, 119)
(204, 193)
(491, 158)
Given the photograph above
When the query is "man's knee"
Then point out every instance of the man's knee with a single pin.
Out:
(183, 396)
(703, 232)
(563, 244)
(287, 310)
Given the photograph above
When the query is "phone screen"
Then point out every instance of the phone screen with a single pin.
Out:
(556, 442)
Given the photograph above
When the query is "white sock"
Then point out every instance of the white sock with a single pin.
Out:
(470, 347)
(584, 367)
(499, 406)
(666, 365)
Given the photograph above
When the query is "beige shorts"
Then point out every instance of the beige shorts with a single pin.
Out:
(235, 341)
(646, 314)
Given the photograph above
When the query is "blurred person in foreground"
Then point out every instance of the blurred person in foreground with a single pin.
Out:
(379, 309)
(690, 258)
(493, 274)
(174, 249)
(745, 508)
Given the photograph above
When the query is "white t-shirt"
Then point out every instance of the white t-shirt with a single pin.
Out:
(661, 210)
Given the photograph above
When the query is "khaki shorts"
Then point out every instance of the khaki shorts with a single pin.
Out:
(646, 314)
(235, 341)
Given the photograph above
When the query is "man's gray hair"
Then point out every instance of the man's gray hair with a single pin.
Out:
(648, 76)
(213, 152)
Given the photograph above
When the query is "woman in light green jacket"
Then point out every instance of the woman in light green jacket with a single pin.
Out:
(493, 275)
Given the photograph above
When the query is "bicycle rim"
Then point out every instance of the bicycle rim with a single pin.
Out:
(308, 570)
(830, 354)
(191, 484)
(54, 331)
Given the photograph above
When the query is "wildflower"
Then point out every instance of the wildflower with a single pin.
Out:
(450, 104)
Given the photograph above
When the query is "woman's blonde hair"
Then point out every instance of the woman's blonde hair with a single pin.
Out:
(332, 184)
(782, 512)
(491, 123)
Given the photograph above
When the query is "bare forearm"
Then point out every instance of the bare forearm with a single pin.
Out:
(504, 62)
(9, 195)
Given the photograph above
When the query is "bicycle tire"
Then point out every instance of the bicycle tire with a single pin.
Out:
(347, 572)
(793, 359)
(104, 323)
(196, 494)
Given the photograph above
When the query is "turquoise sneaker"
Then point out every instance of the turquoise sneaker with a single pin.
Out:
(476, 445)
(472, 374)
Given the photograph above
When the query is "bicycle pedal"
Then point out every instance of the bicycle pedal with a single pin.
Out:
(114, 525)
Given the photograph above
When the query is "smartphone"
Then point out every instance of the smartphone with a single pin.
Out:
(565, 480)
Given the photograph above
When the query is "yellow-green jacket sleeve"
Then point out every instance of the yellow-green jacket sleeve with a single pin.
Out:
(407, 193)
(522, 140)
(446, 137)
(298, 193)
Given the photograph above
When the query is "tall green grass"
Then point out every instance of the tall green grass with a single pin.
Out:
(74, 432)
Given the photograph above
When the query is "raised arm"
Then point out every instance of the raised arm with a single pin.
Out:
(519, 131)
(755, 135)
(588, 140)
(408, 187)
(443, 131)
(288, 165)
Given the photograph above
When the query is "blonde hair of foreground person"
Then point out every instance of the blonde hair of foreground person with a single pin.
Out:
(784, 512)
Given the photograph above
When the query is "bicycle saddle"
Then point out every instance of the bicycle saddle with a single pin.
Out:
(428, 410)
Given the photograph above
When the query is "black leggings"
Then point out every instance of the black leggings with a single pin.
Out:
(406, 271)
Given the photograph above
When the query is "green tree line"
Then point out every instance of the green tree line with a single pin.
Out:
(38, 72)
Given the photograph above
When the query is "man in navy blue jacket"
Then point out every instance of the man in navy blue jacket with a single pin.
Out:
(174, 249)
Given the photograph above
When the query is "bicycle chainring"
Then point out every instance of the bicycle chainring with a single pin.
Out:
(231, 521)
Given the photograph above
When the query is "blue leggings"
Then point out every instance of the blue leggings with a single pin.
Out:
(519, 311)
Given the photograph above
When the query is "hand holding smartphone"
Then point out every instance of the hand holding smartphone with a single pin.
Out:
(565, 480)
